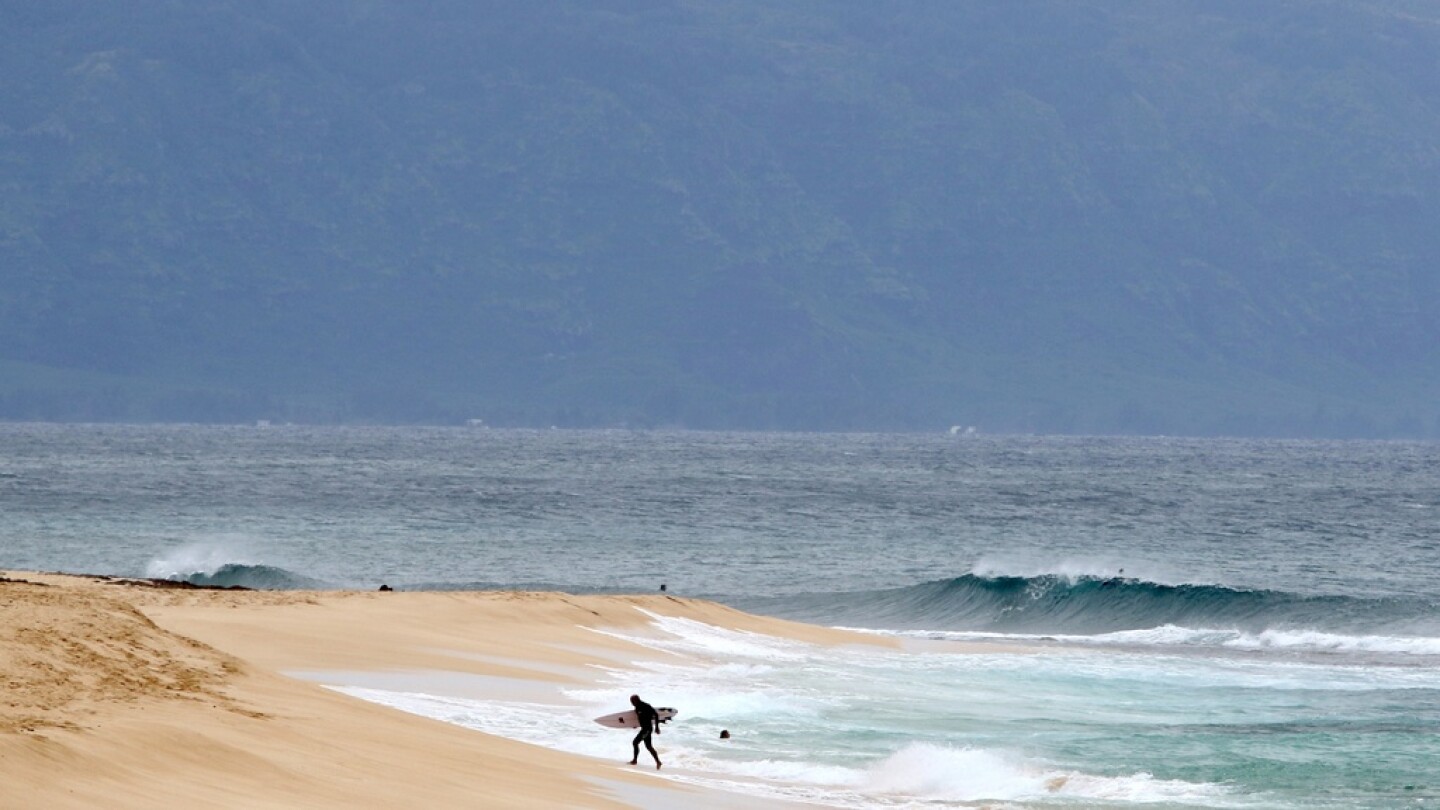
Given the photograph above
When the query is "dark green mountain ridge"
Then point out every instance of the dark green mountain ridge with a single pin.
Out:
(1138, 216)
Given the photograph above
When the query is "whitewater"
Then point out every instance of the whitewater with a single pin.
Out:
(1161, 622)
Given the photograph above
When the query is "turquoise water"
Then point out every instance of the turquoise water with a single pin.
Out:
(860, 727)
(1173, 623)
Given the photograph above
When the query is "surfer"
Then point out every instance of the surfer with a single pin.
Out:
(649, 722)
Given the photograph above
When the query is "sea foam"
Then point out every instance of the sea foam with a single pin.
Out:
(941, 773)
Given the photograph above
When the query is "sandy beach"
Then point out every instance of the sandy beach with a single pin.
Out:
(118, 693)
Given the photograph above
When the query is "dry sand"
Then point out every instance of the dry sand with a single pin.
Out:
(115, 693)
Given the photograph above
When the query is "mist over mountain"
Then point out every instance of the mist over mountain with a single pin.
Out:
(1121, 216)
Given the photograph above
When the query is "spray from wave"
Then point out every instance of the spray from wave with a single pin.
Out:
(226, 564)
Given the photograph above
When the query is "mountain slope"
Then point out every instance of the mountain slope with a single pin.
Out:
(1117, 216)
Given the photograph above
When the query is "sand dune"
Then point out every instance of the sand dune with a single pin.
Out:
(117, 693)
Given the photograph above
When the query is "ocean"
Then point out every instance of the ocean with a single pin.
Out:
(1166, 622)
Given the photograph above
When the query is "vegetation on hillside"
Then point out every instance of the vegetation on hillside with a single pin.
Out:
(1142, 216)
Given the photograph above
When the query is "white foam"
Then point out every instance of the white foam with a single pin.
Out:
(789, 771)
(1331, 642)
(918, 772)
(1162, 672)
(939, 773)
(1176, 636)
(949, 774)
(553, 726)
(1298, 640)
(700, 695)
(1142, 788)
(687, 636)
(819, 724)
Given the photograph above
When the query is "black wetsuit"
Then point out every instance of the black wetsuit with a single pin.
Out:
(649, 723)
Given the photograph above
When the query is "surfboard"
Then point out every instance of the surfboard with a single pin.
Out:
(631, 720)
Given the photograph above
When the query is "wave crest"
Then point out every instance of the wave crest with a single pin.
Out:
(223, 564)
(1095, 605)
(259, 577)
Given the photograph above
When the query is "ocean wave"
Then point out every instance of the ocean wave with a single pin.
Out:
(222, 564)
(1089, 605)
(259, 577)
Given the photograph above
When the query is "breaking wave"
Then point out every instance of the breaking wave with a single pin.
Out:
(1121, 607)
(222, 565)
(258, 577)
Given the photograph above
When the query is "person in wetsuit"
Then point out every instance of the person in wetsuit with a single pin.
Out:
(649, 722)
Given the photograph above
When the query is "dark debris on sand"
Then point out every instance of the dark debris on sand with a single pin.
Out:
(155, 582)
(171, 584)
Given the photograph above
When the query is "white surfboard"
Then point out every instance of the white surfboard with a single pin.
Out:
(631, 720)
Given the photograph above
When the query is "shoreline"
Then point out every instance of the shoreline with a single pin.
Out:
(127, 693)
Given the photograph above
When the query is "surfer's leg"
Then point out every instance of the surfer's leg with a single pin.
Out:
(635, 744)
(651, 748)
